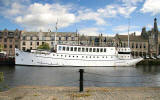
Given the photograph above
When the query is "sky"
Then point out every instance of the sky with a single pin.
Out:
(88, 17)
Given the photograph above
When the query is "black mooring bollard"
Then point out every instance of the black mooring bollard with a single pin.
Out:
(81, 80)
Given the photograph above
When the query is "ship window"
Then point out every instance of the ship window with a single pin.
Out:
(71, 48)
(82, 56)
(61, 55)
(93, 56)
(101, 50)
(75, 48)
(106, 56)
(94, 49)
(86, 49)
(97, 49)
(90, 49)
(103, 57)
(69, 56)
(65, 56)
(90, 56)
(82, 49)
(86, 56)
(77, 56)
(73, 56)
(79, 49)
(63, 48)
(104, 49)
(111, 57)
(67, 48)
(60, 48)
(97, 57)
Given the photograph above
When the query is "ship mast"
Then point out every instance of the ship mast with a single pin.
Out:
(128, 32)
(55, 42)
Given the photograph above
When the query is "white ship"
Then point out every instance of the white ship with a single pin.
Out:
(66, 55)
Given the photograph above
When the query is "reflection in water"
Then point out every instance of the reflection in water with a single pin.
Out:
(69, 76)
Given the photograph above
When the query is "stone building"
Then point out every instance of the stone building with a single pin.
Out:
(32, 40)
(147, 44)
(10, 40)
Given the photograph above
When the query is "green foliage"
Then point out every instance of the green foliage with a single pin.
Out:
(1, 48)
(44, 46)
(1, 76)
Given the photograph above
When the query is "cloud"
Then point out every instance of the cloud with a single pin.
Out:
(124, 28)
(41, 16)
(89, 31)
(126, 33)
(37, 16)
(151, 6)
(149, 26)
(131, 2)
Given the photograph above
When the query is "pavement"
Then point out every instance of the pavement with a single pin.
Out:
(89, 93)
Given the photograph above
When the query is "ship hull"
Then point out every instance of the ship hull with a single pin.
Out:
(33, 59)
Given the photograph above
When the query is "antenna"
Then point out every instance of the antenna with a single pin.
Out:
(128, 31)
(56, 27)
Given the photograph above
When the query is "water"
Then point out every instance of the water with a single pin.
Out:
(69, 76)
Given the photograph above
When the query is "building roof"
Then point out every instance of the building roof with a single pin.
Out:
(131, 38)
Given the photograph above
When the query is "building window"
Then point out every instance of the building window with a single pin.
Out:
(30, 43)
(31, 38)
(10, 40)
(10, 46)
(52, 38)
(5, 46)
(30, 48)
(23, 48)
(140, 46)
(42, 43)
(132, 45)
(104, 49)
(24, 43)
(5, 39)
(66, 38)
(136, 45)
(16, 40)
(59, 38)
(16, 46)
(37, 43)
(144, 45)
(24, 38)
(72, 38)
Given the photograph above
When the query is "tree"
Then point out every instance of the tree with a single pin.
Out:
(1, 76)
(44, 46)
(1, 48)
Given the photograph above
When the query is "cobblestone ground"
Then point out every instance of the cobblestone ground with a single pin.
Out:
(71, 93)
